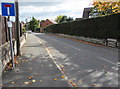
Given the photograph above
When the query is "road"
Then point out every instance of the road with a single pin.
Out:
(52, 61)
(83, 64)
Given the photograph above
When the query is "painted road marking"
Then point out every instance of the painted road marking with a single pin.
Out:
(107, 61)
(55, 62)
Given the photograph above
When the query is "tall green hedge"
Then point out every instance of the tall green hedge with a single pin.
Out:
(101, 27)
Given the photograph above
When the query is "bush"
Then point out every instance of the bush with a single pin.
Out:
(24, 31)
(101, 27)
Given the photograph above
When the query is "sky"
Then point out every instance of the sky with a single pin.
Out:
(50, 9)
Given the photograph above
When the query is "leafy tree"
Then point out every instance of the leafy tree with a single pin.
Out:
(42, 21)
(33, 24)
(106, 8)
(63, 18)
(69, 19)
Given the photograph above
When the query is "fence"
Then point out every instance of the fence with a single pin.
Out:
(4, 41)
(5, 32)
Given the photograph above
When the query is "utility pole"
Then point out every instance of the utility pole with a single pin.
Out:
(17, 28)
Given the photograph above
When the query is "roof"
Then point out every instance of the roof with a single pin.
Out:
(87, 9)
(52, 21)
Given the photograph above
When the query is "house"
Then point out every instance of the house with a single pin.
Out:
(46, 23)
(22, 24)
(86, 12)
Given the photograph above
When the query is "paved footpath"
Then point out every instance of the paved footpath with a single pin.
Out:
(36, 68)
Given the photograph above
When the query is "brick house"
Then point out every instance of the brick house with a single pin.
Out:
(46, 23)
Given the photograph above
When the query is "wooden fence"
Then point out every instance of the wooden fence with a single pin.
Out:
(5, 32)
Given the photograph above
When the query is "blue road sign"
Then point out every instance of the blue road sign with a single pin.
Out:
(8, 9)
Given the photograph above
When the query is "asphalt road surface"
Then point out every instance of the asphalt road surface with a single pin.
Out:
(84, 65)
(52, 61)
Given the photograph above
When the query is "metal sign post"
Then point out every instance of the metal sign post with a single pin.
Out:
(11, 43)
(8, 9)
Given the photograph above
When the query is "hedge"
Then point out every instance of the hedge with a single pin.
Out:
(100, 27)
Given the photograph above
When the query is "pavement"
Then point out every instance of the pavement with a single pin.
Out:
(36, 68)
(60, 62)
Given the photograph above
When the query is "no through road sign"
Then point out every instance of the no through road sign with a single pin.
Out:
(8, 9)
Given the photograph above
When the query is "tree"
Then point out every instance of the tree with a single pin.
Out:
(33, 24)
(106, 8)
(42, 21)
(69, 19)
(63, 18)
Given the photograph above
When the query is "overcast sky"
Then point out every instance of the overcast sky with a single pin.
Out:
(50, 9)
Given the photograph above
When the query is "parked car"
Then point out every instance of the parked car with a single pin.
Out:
(29, 32)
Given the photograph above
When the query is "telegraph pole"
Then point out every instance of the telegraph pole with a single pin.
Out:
(17, 27)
